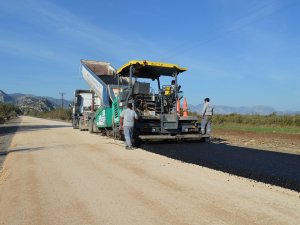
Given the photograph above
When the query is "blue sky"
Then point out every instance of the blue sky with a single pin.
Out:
(239, 53)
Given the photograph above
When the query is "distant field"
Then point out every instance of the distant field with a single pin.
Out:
(258, 129)
(271, 120)
(273, 123)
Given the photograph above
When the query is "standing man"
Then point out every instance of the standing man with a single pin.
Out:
(207, 113)
(127, 118)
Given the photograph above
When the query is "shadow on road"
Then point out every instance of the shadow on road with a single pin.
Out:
(34, 149)
(8, 129)
(14, 128)
(275, 168)
(6, 133)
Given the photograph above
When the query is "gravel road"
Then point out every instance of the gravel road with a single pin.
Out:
(57, 175)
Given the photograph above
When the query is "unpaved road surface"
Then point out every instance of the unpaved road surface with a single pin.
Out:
(57, 175)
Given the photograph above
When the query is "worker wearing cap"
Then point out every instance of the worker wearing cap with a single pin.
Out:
(207, 113)
(127, 118)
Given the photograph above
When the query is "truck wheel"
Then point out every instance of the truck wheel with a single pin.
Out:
(117, 133)
(80, 125)
(207, 140)
(95, 128)
(91, 126)
(114, 127)
(75, 124)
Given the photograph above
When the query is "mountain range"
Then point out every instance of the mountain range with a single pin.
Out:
(246, 110)
(31, 102)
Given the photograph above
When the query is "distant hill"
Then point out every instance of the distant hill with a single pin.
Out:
(15, 98)
(261, 110)
(57, 102)
(5, 97)
(32, 103)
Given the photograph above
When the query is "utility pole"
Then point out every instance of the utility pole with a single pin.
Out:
(62, 99)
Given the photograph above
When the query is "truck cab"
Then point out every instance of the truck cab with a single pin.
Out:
(83, 107)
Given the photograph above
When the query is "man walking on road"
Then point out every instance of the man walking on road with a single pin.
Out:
(207, 113)
(127, 123)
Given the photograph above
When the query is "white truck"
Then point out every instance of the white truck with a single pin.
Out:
(83, 108)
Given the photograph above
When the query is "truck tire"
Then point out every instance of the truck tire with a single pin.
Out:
(75, 124)
(95, 128)
(117, 133)
(80, 125)
(205, 140)
(91, 126)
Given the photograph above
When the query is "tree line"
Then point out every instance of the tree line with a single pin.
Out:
(9, 111)
(60, 114)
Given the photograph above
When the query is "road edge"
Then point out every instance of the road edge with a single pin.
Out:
(7, 132)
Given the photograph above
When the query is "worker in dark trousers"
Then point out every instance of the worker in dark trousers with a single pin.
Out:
(207, 113)
(127, 118)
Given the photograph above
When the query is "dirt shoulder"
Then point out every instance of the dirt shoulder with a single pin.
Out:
(7, 132)
(287, 143)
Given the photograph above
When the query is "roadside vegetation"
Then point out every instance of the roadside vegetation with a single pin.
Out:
(272, 123)
(59, 114)
(8, 111)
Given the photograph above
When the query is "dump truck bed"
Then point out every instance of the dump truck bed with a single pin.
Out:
(101, 78)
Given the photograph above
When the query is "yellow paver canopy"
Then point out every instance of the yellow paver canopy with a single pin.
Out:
(148, 69)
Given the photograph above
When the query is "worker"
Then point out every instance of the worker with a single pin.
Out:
(207, 113)
(127, 118)
(173, 85)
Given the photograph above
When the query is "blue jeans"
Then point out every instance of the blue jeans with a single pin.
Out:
(206, 124)
(128, 133)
